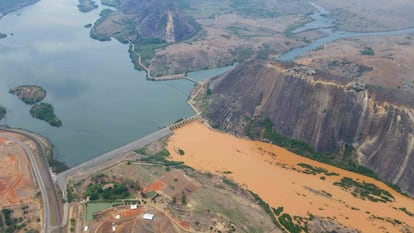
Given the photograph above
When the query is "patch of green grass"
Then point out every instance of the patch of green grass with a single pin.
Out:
(368, 51)
(287, 221)
(403, 209)
(365, 191)
(278, 211)
(142, 151)
(161, 158)
(309, 169)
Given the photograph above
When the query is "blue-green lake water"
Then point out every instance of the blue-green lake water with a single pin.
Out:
(102, 101)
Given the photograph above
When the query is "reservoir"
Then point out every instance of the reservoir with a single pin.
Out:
(102, 101)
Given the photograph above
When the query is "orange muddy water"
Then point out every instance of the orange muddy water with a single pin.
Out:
(272, 172)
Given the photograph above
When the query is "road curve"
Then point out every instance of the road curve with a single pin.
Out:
(44, 181)
(38, 177)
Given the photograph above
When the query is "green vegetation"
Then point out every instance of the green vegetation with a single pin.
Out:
(55, 165)
(365, 190)
(230, 183)
(180, 152)
(113, 192)
(11, 224)
(241, 54)
(161, 158)
(2, 35)
(266, 208)
(112, 3)
(390, 220)
(29, 94)
(208, 90)
(254, 130)
(287, 221)
(92, 208)
(3, 112)
(403, 209)
(264, 52)
(86, 5)
(278, 211)
(146, 48)
(142, 151)
(44, 111)
(309, 169)
(368, 51)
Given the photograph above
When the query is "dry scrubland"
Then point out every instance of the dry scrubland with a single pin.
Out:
(390, 66)
(371, 15)
(182, 200)
(19, 201)
(303, 187)
(227, 39)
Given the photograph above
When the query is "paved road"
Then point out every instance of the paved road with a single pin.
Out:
(38, 176)
(117, 152)
(46, 178)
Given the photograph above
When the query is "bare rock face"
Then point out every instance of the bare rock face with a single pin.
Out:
(323, 110)
(160, 19)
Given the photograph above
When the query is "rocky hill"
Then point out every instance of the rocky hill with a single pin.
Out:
(333, 114)
(145, 21)
(160, 19)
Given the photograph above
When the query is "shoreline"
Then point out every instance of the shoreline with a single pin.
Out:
(18, 7)
(247, 161)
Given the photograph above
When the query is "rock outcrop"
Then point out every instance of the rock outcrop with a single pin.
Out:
(323, 110)
(160, 19)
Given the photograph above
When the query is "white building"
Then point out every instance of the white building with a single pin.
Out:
(148, 216)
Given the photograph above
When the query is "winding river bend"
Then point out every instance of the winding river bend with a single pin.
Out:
(325, 25)
(102, 101)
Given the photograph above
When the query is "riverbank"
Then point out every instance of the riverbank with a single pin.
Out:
(284, 182)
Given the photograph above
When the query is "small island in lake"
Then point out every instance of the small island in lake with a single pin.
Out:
(44, 111)
(2, 35)
(29, 94)
(86, 5)
(2, 112)
(87, 25)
